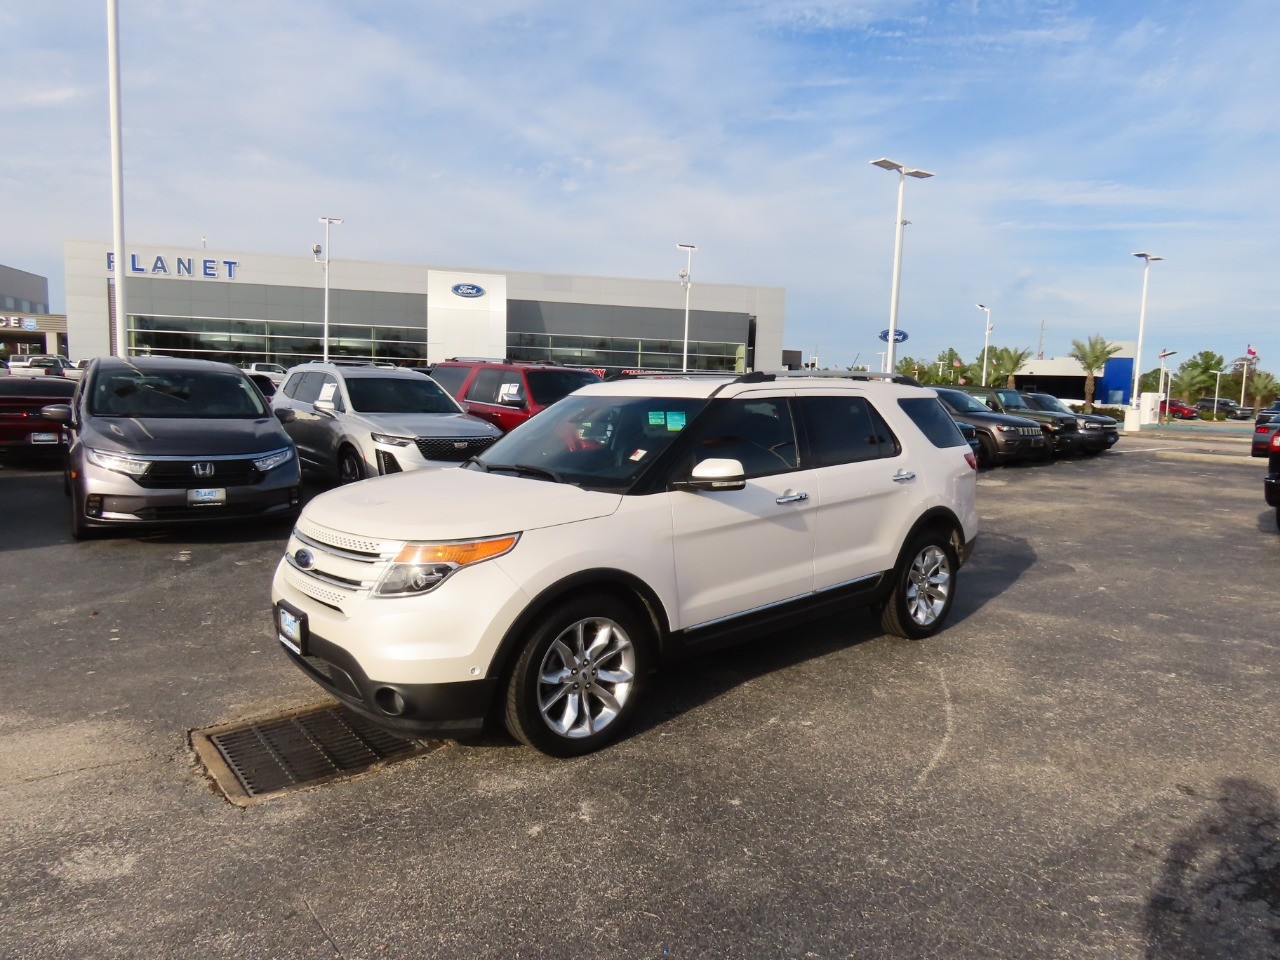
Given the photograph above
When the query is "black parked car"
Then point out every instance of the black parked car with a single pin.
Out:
(1001, 438)
(1061, 430)
(1272, 483)
(1232, 409)
(1099, 433)
(158, 440)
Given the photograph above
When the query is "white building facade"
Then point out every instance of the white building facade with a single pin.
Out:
(243, 307)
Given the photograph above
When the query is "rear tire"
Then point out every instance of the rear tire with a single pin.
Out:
(579, 676)
(924, 587)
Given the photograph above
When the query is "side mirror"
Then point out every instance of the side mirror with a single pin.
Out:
(325, 406)
(57, 412)
(715, 475)
(285, 414)
(992, 405)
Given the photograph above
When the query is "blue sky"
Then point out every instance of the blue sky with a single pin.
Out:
(589, 137)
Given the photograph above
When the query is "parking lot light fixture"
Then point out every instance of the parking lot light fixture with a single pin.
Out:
(1142, 321)
(986, 341)
(327, 221)
(884, 163)
(686, 281)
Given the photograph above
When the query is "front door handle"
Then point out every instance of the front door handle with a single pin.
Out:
(903, 476)
(793, 498)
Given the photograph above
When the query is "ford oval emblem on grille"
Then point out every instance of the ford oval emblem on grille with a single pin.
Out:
(303, 559)
(469, 290)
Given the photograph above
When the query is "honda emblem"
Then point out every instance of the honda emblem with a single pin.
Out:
(202, 469)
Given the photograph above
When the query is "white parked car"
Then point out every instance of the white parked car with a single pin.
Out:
(274, 371)
(628, 525)
(38, 365)
(354, 420)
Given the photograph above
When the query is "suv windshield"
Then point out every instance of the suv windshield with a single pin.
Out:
(1053, 403)
(548, 386)
(963, 402)
(1012, 400)
(399, 395)
(598, 443)
(174, 394)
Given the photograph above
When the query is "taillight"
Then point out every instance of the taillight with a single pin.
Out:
(1275, 441)
(973, 461)
(1261, 428)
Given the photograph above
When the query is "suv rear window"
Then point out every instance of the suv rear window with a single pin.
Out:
(933, 420)
(548, 386)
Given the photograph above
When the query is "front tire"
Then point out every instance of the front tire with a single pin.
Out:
(987, 451)
(80, 529)
(924, 588)
(350, 466)
(576, 682)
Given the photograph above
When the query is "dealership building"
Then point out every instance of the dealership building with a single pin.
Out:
(244, 307)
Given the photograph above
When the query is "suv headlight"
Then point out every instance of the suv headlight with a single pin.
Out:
(421, 567)
(388, 438)
(119, 462)
(269, 461)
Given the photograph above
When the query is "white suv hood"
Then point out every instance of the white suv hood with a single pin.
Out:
(454, 504)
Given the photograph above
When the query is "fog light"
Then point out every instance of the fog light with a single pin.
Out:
(387, 463)
(93, 506)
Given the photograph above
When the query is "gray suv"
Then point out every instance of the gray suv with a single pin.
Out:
(352, 421)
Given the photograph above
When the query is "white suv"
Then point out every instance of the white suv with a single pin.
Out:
(356, 420)
(630, 524)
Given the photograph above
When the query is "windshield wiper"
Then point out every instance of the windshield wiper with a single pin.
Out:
(474, 462)
(525, 469)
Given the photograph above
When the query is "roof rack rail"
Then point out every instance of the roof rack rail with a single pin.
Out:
(670, 375)
(764, 376)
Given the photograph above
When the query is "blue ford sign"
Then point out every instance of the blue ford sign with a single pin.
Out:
(898, 336)
(468, 290)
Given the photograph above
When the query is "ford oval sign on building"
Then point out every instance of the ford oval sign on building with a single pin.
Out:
(468, 290)
(898, 336)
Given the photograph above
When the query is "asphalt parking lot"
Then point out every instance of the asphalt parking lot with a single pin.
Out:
(1084, 764)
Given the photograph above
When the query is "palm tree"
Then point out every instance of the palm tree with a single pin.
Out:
(1198, 374)
(1006, 362)
(1093, 356)
(1262, 386)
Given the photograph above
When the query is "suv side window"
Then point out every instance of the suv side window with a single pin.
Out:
(309, 388)
(933, 420)
(760, 434)
(329, 391)
(490, 386)
(450, 378)
(291, 385)
(846, 429)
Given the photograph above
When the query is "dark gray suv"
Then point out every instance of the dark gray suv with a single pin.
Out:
(159, 440)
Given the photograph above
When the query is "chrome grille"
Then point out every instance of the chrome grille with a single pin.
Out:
(314, 589)
(343, 541)
(452, 449)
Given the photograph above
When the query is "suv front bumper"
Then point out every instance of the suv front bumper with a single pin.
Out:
(415, 709)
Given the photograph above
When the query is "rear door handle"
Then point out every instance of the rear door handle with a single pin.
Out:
(793, 498)
(903, 476)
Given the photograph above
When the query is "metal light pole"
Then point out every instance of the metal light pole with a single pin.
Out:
(120, 346)
(1163, 392)
(903, 172)
(327, 221)
(986, 340)
(1142, 320)
(686, 281)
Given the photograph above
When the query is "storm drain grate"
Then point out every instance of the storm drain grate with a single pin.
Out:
(298, 749)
